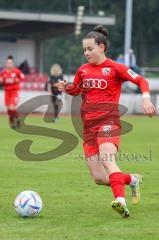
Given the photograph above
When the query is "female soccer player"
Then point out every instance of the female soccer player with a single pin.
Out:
(99, 83)
(10, 77)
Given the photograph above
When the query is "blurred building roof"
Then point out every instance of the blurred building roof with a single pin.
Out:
(44, 25)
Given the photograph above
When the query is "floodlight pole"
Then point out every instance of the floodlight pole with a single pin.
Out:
(128, 25)
(79, 20)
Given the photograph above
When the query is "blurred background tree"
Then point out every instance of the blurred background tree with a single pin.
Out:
(68, 50)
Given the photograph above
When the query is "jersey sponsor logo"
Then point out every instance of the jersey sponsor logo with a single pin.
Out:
(107, 130)
(105, 71)
(9, 80)
(94, 83)
(132, 73)
(13, 75)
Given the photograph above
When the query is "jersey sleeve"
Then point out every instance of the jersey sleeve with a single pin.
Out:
(127, 74)
(74, 88)
(21, 76)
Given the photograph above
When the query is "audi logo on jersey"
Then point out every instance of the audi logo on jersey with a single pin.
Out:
(94, 83)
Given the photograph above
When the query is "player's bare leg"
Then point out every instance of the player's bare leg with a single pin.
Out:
(108, 153)
(97, 170)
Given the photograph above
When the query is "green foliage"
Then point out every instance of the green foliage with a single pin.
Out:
(146, 30)
(36, 5)
(67, 51)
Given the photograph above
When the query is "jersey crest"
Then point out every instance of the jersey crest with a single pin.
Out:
(105, 70)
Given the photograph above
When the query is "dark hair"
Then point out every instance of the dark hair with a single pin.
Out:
(10, 57)
(100, 35)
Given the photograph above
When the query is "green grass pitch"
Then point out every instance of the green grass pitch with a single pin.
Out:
(74, 208)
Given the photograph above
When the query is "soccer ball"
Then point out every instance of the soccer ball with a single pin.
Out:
(28, 204)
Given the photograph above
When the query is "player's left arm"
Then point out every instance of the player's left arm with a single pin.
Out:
(1, 79)
(127, 74)
(19, 76)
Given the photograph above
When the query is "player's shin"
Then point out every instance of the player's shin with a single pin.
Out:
(117, 186)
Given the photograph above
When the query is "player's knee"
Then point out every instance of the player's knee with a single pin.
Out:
(11, 107)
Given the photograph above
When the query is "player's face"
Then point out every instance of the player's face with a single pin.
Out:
(92, 51)
(9, 64)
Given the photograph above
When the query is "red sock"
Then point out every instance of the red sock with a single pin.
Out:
(9, 112)
(127, 178)
(9, 115)
(12, 115)
(117, 184)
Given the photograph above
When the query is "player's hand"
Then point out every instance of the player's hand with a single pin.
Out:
(148, 107)
(1, 80)
(16, 80)
(62, 85)
(55, 85)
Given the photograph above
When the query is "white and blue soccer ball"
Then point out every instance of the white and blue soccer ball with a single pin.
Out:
(28, 204)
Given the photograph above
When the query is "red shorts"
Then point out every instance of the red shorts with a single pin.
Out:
(11, 98)
(104, 134)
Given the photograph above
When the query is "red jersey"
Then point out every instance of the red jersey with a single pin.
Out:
(11, 80)
(102, 84)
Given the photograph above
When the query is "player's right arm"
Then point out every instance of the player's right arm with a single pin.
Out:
(71, 88)
(1, 78)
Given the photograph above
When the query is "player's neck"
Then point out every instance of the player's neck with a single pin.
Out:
(9, 69)
(103, 59)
